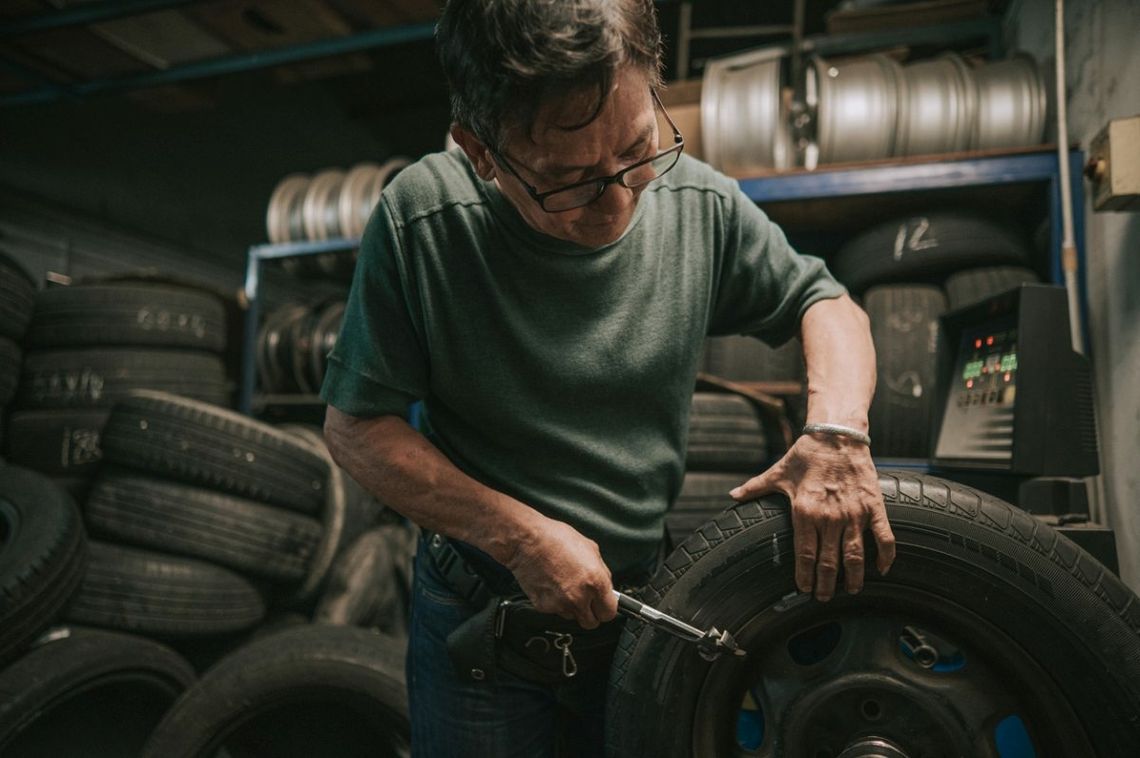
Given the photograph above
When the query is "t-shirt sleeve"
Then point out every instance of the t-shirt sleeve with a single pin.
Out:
(763, 285)
(378, 366)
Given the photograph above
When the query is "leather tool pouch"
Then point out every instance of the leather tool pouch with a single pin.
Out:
(510, 636)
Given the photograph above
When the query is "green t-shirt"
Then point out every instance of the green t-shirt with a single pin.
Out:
(558, 374)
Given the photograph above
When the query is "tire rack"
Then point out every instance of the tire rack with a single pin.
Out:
(258, 254)
(1038, 165)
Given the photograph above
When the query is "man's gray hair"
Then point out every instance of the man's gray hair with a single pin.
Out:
(503, 57)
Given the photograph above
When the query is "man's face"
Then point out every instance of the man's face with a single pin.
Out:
(552, 156)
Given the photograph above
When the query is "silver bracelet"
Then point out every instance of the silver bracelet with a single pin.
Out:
(839, 429)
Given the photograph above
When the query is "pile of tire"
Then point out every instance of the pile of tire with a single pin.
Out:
(908, 272)
(17, 296)
(728, 439)
(330, 204)
(293, 344)
(75, 690)
(67, 691)
(88, 346)
(201, 518)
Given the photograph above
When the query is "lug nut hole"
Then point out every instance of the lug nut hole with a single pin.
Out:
(871, 710)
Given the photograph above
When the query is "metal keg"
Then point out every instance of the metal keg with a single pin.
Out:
(859, 105)
(744, 125)
(941, 104)
(1011, 104)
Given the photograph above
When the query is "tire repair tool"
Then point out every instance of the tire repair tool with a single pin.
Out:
(711, 644)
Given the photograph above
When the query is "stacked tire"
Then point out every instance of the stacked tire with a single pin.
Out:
(908, 272)
(17, 296)
(199, 518)
(67, 690)
(728, 439)
(87, 346)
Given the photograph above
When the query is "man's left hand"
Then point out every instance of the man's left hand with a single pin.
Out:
(835, 496)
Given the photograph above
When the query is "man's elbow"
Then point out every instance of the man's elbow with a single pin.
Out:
(335, 433)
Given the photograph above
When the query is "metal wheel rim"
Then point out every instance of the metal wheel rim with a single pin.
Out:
(858, 101)
(325, 332)
(718, 703)
(750, 116)
(322, 191)
(280, 201)
(387, 173)
(350, 199)
(937, 116)
(1011, 104)
(710, 104)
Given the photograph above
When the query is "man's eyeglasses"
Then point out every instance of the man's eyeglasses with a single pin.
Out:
(583, 193)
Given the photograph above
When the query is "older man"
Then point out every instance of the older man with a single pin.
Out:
(545, 292)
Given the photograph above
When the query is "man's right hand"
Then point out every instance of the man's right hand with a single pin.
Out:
(562, 572)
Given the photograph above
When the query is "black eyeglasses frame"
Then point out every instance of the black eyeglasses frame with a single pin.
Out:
(602, 182)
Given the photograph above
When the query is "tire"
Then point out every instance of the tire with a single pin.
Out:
(59, 443)
(87, 692)
(149, 593)
(747, 359)
(200, 444)
(925, 249)
(98, 378)
(147, 315)
(904, 326)
(1027, 623)
(315, 690)
(348, 512)
(725, 434)
(251, 538)
(42, 555)
(10, 356)
(974, 285)
(703, 496)
(17, 298)
(273, 357)
(370, 583)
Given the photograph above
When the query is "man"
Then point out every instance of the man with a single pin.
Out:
(546, 291)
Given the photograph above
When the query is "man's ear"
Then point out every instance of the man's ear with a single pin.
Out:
(476, 151)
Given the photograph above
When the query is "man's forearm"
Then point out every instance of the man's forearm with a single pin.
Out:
(840, 359)
(408, 474)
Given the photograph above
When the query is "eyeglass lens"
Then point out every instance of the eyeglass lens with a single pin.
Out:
(636, 176)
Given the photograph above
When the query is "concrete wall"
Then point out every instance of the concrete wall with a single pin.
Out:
(1103, 82)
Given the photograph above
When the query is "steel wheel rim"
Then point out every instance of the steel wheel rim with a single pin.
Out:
(1011, 104)
(281, 201)
(858, 101)
(350, 202)
(314, 207)
(1050, 717)
(938, 115)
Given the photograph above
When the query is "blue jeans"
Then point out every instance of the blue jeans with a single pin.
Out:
(508, 717)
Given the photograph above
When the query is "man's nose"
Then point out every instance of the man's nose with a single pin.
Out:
(614, 200)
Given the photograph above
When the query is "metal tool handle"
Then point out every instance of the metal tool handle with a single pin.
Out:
(649, 614)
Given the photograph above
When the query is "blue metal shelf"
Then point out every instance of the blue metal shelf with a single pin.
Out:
(945, 173)
(877, 179)
(258, 254)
